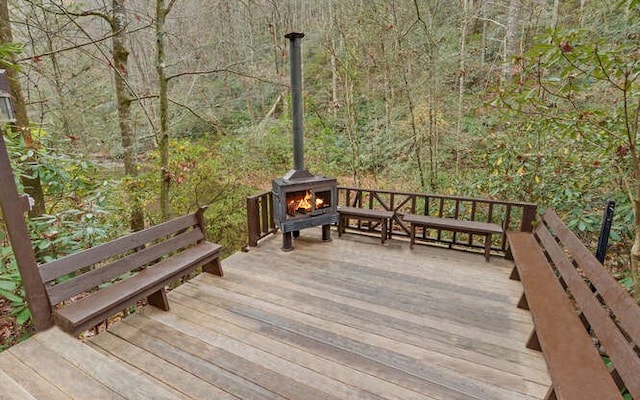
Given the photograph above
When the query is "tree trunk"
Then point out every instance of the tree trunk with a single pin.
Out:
(123, 98)
(165, 174)
(461, 76)
(30, 180)
(510, 43)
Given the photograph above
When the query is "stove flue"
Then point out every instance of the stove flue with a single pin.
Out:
(301, 199)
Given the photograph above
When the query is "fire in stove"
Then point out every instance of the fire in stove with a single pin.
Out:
(307, 202)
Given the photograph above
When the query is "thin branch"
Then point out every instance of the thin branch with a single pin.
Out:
(192, 111)
(606, 73)
(170, 6)
(78, 46)
(501, 25)
(66, 12)
(230, 71)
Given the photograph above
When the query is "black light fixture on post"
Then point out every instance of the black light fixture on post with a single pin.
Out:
(6, 103)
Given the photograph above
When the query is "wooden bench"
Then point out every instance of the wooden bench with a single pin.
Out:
(382, 217)
(576, 307)
(127, 270)
(455, 225)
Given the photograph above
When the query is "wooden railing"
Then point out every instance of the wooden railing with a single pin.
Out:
(513, 216)
(260, 221)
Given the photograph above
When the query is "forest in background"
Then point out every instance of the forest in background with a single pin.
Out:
(149, 109)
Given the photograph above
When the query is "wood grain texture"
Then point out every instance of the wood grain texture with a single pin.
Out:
(82, 315)
(575, 365)
(142, 258)
(348, 319)
(76, 261)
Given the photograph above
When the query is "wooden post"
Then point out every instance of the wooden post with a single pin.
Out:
(252, 220)
(13, 208)
(528, 216)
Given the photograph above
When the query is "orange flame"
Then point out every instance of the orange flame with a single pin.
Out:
(303, 204)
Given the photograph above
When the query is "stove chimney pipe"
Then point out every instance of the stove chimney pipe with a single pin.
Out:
(295, 57)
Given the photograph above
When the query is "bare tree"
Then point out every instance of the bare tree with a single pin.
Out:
(163, 83)
(510, 39)
(118, 22)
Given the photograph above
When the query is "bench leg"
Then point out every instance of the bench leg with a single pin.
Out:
(383, 234)
(533, 343)
(551, 394)
(522, 303)
(159, 299)
(487, 247)
(213, 267)
(412, 235)
(515, 275)
(341, 223)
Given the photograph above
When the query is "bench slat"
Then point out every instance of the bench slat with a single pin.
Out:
(575, 366)
(453, 224)
(98, 276)
(85, 258)
(90, 310)
(365, 212)
(621, 353)
(614, 295)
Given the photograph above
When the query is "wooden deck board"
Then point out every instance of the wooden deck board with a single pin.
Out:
(351, 319)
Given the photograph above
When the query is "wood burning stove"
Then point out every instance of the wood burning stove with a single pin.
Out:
(302, 200)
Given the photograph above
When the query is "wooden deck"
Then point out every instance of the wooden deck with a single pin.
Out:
(351, 319)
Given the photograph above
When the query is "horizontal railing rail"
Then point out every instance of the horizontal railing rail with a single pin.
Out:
(512, 216)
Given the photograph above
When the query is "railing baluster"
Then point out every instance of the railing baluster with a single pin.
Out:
(473, 218)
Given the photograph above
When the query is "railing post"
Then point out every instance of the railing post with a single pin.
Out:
(528, 216)
(252, 221)
(13, 210)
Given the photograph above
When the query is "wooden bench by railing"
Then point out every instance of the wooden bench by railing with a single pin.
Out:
(123, 271)
(378, 219)
(515, 216)
(577, 308)
(471, 228)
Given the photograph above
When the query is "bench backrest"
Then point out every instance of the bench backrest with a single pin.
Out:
(95, 266)
(607, 309)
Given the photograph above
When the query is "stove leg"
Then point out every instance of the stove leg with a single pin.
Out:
(296, 234)
(326, 233)
(287, 244)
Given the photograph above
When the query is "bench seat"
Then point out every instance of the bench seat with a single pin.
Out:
(383, 217)
(455, 225)
(150, 282)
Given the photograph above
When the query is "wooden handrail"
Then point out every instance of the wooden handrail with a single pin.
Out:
(510, 215)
